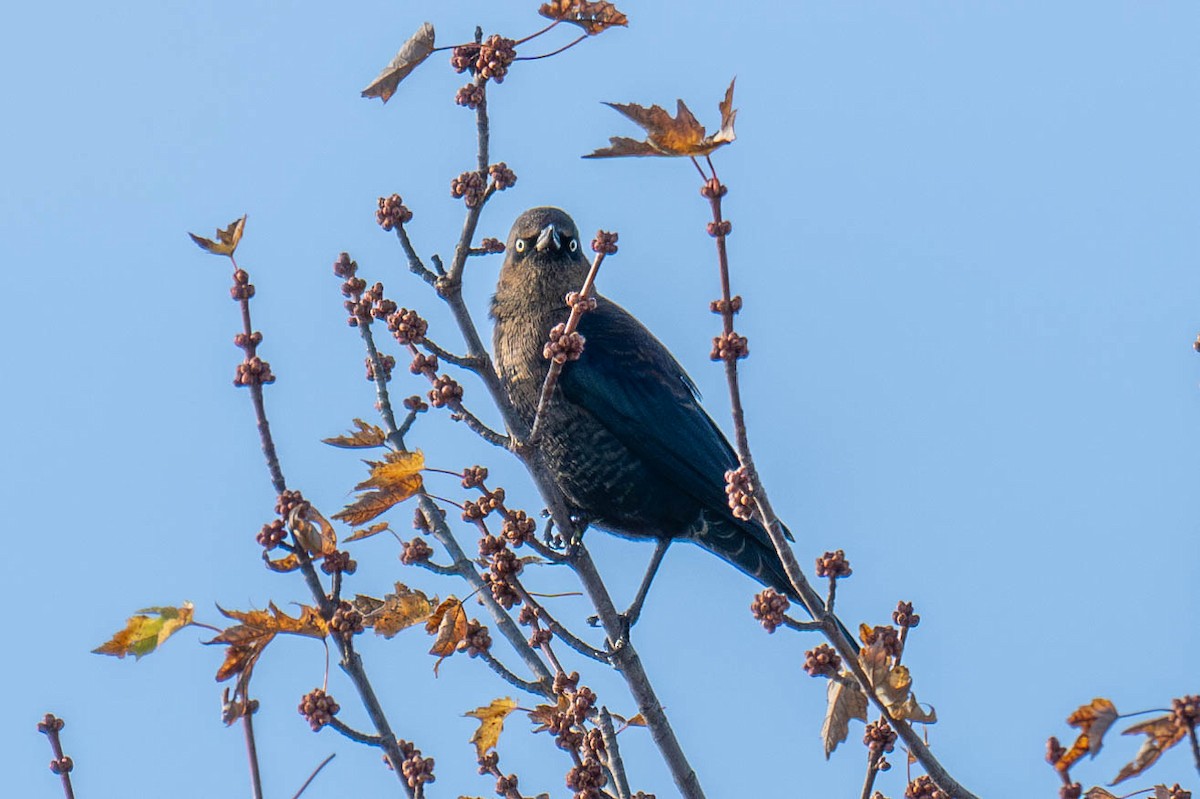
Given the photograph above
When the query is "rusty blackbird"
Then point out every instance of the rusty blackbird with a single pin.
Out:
(625, 436)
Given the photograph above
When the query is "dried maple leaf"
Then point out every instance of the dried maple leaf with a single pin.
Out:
(367, 435)
(395, 612)
(491, 723)
(367, 532)
(1163, 733)
(679, 135)
(313, 530)
(393, 480)
(1096, 792)
(893, 684)
(227, 239)
(147, 631)
(543, 715)
(411, 54)
(593, 17)
(449, 622)
(844, 702)
(288, 563)
(1093, 720)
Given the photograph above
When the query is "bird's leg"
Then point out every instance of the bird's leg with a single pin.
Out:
(630, 616)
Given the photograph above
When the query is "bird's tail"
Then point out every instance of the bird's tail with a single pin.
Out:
(741, 545)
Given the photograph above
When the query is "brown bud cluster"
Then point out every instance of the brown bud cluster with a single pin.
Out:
(1176, 792)
(477, 639)
(343, 267)
(823, 661)
(502, 176)
(879, 737)
(407, 326)
(491, 245)
(470, 186)
(415, 403)
(903, 615)
(539, 637)
(253, 371)
(719, 229)
(768, 608)
(1186, 710)
(381, 307)
(574, 298)
(518, 528)
(339, 561)
(1054, 750)
(923, 787)
(729, 347)
(474, 476)
(445, 391)
(586, 779)
(470, 96)
(62, 765)
(566, 683)
(249, 342)
(292, 502)
(347, 621)
(272, 534)
(387, 364)
(50, 723)
(739, 492)
(464, 57)
(506, 784)
(605, 242)
(713, 188)
(886, 637)
(318, 708)
(834, 564)
(424, 364)
(415, 551)
(417, 770)
(563, 346)
(242, 288)
(720, 306)
(1072, 791)
(502, 591)
(495, 56)
(392, 212)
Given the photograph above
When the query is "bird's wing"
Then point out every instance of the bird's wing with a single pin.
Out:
(628, 381)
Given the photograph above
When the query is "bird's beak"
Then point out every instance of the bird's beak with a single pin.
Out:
(549, 238)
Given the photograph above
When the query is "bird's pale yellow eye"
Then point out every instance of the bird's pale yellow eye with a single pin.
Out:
(574, 245)
(520, 245)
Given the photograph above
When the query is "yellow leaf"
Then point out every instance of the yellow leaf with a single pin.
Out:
(411, 54)
(227, 239)
(666, 135)
(147, 631)
(288, 563)
(394, 479)
(367, 435)
(395, 612)
(449, 622)
(491, 723)
(367, 532)
(844, 701)
(593, 17)
(1163, 733)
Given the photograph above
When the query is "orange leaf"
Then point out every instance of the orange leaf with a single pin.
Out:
(1163, 733)
(367, 532)
(147, 631)
(367, 435)
(395, 612)
(449, 621)
(593, 17)
(412, 53)
(1093, 720)
(227, 239)
(272, 620)
(394, 479)
(491, 723)
(544, 715)
(288, 563)
(668, 135)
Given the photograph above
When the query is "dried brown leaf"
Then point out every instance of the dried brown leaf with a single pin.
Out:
(395, 612)
(543, 715)
(1097, 792)
(1093, 720)
(491, 723)
(313, 530)
(411, 54)
(593, 17)
(893, 684)
(1162, 733)
(367, 435)
(672, 136)
(227, 239)
(288, 563)
(367, 532)
(845, 702)
(449, 622)
(147, 631)
(394, 480)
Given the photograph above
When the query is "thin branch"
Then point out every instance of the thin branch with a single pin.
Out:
(415, 265)
(873, 758)
(612, 750)
(313, 776)
(355, 735)
(1195, 745)
(437, 568)
(552, 52)
(561, 632)
(543, 687)
(578, 309)
(473, 423)
(465, 361)
(51, 726)
(252, 749)
(802, 626)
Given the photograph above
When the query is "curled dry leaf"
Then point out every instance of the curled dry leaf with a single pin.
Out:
(396, 611)
(288, 563)
(680, 135)
(147, 631)
(227, 239)
(893, 684)
(1162, 733)
(491, 723)
(593, 17)
(1093, 720)
(844, 702)
(367, 532)
(1097, 792)
(449, 622)
(313, 530)
(412, 53)
(392, 480)
(366, 435)
(543, 716)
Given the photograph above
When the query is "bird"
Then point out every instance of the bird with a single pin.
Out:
(624, 434)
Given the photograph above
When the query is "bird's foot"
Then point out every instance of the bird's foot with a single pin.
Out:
(625, 622)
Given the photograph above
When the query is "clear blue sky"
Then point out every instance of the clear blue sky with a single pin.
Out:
(967, 239)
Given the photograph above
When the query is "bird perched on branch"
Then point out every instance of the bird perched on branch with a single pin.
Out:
(624, 434)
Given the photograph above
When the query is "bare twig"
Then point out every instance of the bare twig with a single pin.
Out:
(355, 735)
(873, 758)
(1195, 745)
(561, 632)
(51, 726)
(542, 687)
(252, 749)
(612, 750)
(415, 265)
(313, 776)
(465, 361)
(552, 52)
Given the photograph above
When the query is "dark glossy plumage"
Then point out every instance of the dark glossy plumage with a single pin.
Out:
(630, 446)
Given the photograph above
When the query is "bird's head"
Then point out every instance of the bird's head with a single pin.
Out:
(543, 256)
